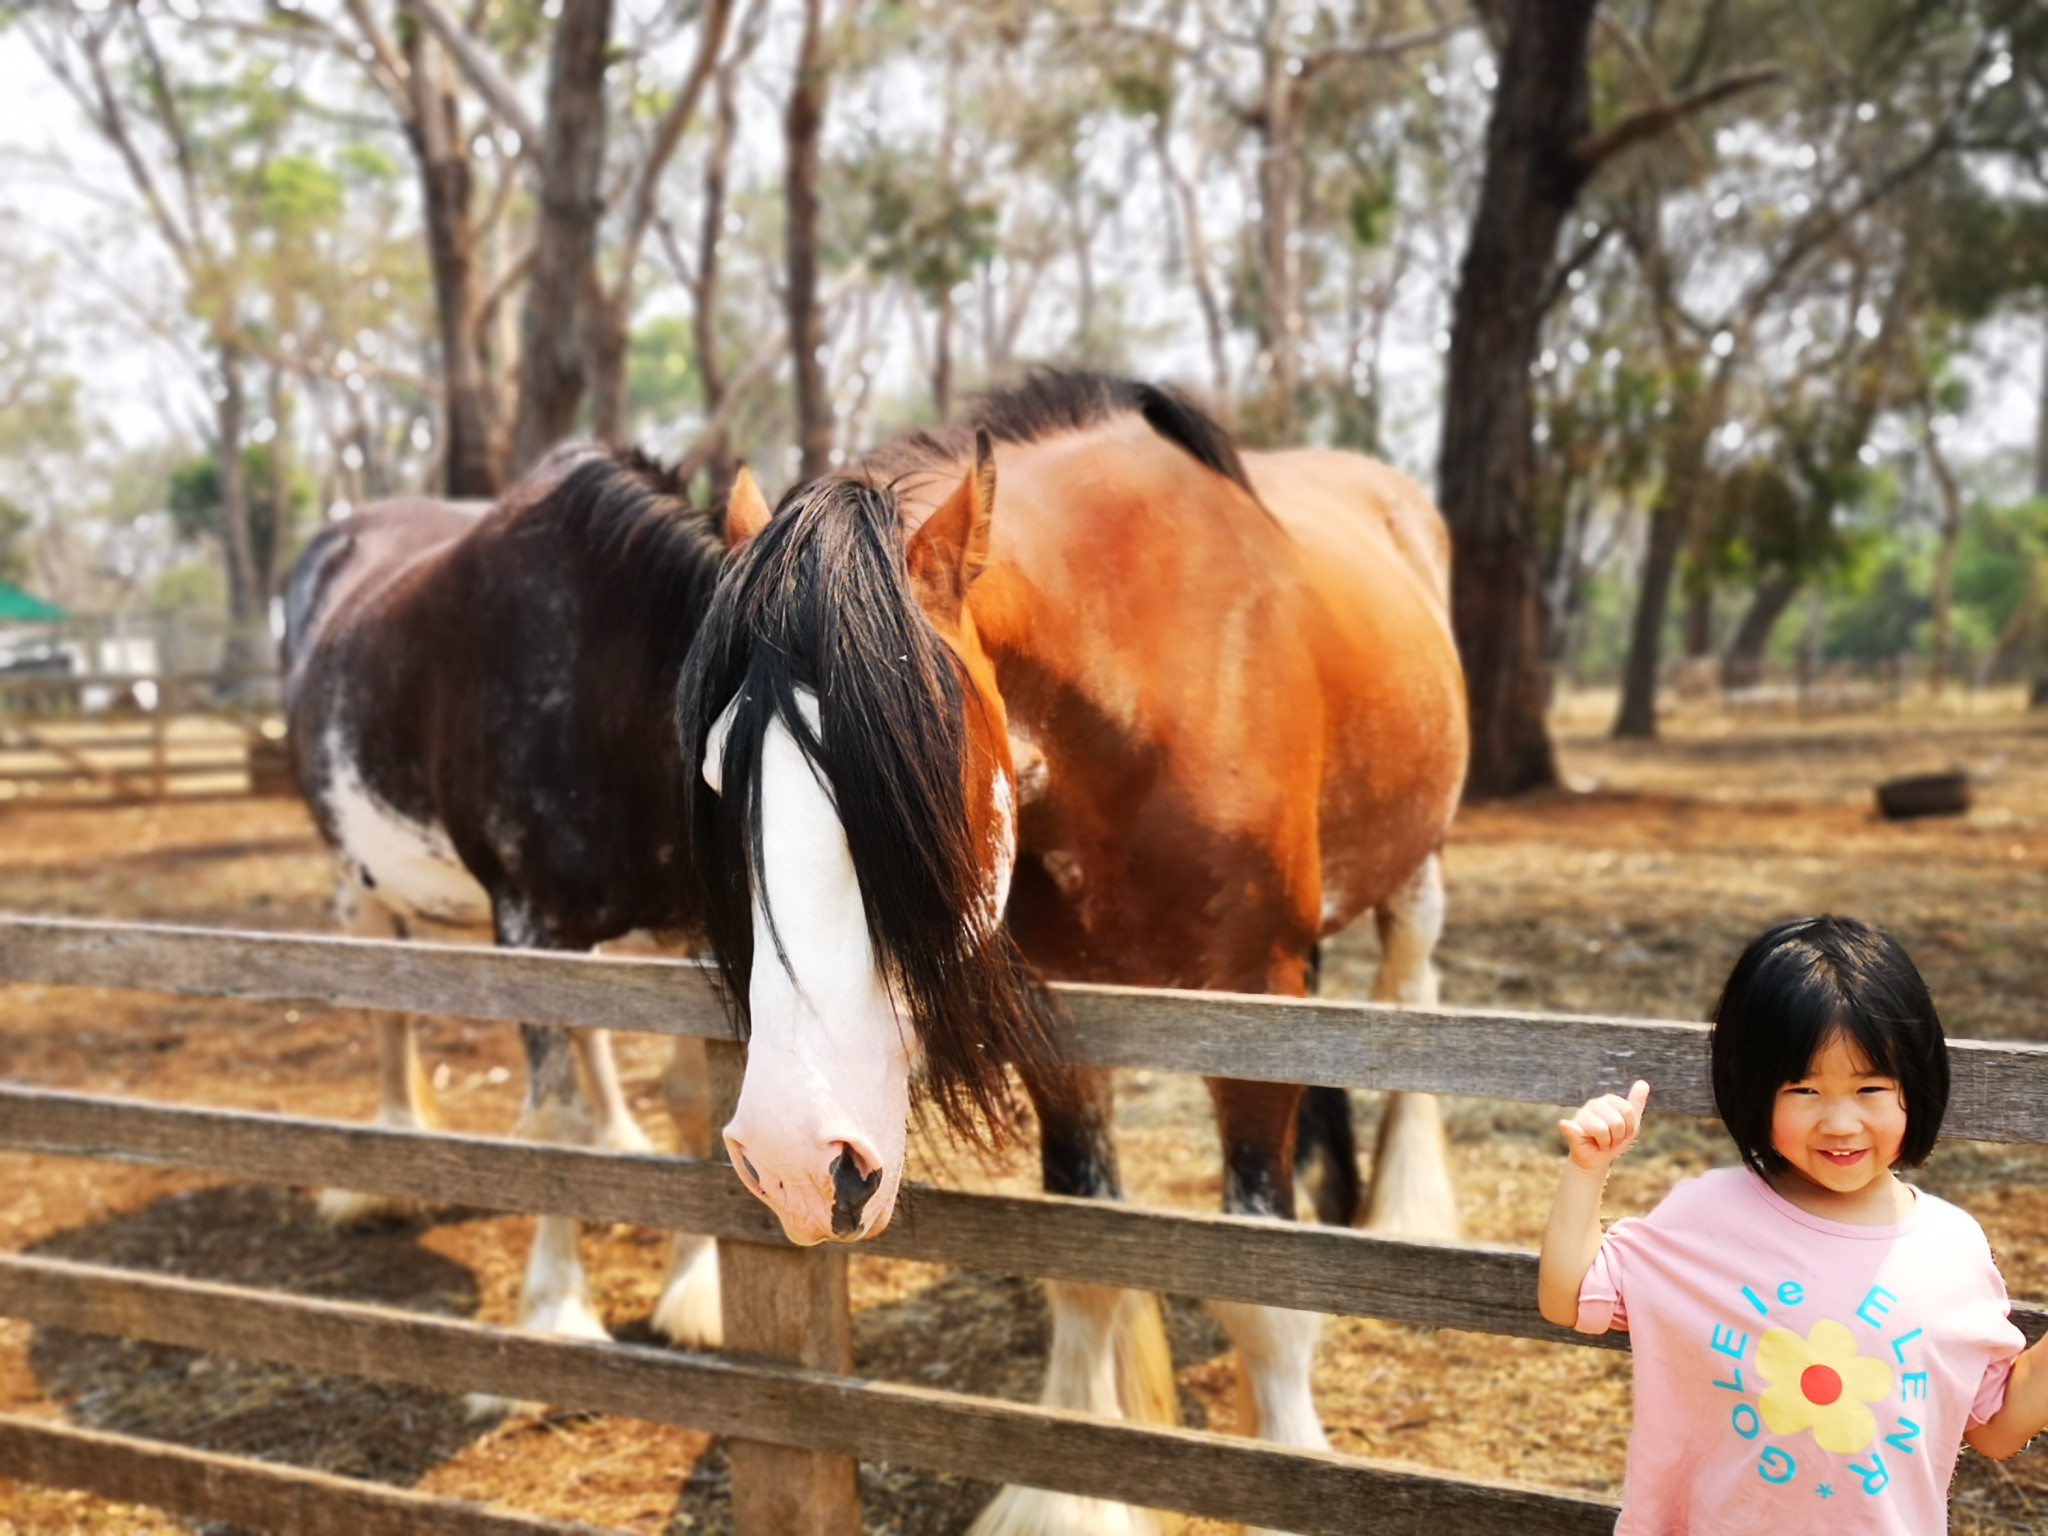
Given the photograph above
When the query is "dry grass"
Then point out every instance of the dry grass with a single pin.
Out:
(1633, 897)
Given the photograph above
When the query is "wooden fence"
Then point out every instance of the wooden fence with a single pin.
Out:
(187, 734)
(783, 1389)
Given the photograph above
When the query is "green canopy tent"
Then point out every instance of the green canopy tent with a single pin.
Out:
(19, 607)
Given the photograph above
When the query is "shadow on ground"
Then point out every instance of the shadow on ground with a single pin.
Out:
(270, 1238)
(982, 1334)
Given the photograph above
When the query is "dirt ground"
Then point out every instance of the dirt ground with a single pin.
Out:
(1630, 892)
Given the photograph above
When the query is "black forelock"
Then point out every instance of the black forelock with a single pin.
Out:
(1050, 402)
(821, 600)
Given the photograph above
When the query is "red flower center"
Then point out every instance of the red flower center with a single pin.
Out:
(1821, 1384)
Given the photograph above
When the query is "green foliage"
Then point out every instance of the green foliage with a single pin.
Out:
(194, 501)
(299, 195)
(931, 231)
(16, 522)
(661, 377)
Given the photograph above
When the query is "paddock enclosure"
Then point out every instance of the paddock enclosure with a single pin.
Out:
(1628, 897)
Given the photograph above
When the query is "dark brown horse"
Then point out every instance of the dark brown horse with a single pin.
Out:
(469, 692)
(1153, 712)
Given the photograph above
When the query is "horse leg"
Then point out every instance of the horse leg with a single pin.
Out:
(1411, 1184)
(1325, 1144)
(1276, 1346)
(689, 1312)
(555, 1297)
(1109, 1354)
(405, 1097)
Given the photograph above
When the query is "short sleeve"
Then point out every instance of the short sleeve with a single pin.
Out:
(1991, 1390)
(1601, 1301)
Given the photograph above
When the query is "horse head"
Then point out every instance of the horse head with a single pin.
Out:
(855, 847)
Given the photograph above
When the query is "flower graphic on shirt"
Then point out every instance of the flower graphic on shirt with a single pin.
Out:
(1821, 1383)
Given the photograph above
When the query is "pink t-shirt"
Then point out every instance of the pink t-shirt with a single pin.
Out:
(1795, 1374)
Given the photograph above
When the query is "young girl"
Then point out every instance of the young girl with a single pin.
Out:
(1813, 1338)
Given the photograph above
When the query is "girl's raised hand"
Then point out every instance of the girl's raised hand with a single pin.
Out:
(1604, 1128)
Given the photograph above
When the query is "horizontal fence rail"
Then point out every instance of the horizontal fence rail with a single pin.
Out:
(265, 1495)
(1478, 1288)
(1999, 1090)
(2000, 1093)
(1317, 1494)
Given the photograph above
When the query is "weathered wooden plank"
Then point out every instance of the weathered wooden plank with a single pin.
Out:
(254, 1494)
(786, 1304)
(655, 996)
(2000, 1089)
(1318, 1494)
(1480, 1289)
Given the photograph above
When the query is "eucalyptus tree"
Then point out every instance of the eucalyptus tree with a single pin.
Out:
(1730, 234)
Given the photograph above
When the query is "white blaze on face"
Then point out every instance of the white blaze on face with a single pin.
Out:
(828, 1064)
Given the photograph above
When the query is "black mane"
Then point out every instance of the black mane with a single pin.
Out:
(821, 600)
(630, 519)
(1053, 401)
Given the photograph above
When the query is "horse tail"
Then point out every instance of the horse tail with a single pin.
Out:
(1326, 1155)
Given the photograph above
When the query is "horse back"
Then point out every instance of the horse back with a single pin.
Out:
(1250, 706)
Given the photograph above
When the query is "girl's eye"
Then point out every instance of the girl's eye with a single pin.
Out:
(1879, 1088)
(1796, 1088)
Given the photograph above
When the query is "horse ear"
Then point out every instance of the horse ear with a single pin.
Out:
(746, 509)
(951, 549)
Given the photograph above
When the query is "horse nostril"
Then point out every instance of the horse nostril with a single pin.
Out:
(851, 1191)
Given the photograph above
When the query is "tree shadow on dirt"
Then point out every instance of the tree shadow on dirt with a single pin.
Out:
(259, 1236)
(986, 1335)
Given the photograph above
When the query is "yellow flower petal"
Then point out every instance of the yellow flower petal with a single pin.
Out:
(1844, 1426)
(1782, 1355)
(1832, 1344)
(1785, 1408)
(1867, 1379)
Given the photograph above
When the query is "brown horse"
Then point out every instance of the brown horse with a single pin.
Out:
(1156, 714)
(468, 692)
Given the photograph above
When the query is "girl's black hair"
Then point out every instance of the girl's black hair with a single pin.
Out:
(1800, 985)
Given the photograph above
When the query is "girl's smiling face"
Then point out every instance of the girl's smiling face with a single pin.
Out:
(1840, 1128)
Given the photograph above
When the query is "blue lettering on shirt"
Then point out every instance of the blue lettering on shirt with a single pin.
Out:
(1775, 1466)
(1875, 1478)
(1721, 1342)
(1871, 1303)
(1790, 1295)
(1908, 1433)
(1899, 1344)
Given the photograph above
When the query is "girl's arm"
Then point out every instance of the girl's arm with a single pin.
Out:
(1599, 1133)
(2024, 1413)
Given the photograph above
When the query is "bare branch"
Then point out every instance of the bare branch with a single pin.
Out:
(1380, 48)
(669, 134)
(1649, 122)
(482, 70)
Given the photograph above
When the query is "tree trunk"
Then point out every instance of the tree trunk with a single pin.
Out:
(801, 124)
(2041, 421)
(552, 333)
(714, 449)
(1485, 466)
(1279, 264)
(1685, 462)
(1742, 665)
(469, 423)
(1944, 558)
(1699, 607)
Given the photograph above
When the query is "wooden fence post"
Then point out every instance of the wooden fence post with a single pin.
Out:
(786, 1304)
